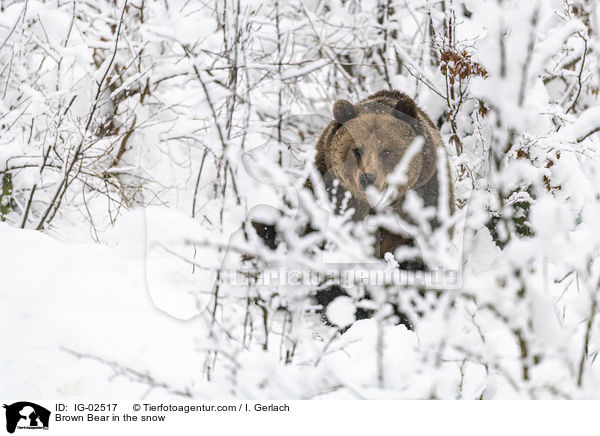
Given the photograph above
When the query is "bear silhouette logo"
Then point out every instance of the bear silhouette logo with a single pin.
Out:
(24, 414)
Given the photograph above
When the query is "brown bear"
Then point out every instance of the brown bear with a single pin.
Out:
(364, 144)
(359, 149)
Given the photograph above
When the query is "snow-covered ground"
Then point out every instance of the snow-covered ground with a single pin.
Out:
(90, 299)
(86, 320)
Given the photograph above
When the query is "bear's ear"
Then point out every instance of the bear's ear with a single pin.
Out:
(406, 106)
(343, 111)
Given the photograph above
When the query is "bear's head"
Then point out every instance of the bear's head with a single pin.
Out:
(368, 141)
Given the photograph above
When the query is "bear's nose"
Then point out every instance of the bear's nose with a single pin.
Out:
(366, 180)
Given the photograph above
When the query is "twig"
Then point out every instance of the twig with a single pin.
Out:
(130, 373)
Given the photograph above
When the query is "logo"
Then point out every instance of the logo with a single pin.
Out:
(26, 415)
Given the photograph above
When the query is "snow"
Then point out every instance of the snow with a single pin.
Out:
(586, 123)
(87, 298)
(550, 218)
(341, 312)
(145, 276)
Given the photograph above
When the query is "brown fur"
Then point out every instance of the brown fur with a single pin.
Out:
(371, 137)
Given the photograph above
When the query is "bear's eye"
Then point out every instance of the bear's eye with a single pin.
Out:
(386, 153)
(357, 151)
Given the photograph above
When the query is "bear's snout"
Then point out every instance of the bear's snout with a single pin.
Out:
(366, 180)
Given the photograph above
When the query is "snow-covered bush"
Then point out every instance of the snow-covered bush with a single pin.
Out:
(213, 109)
